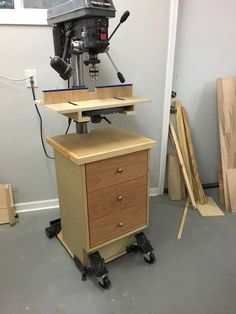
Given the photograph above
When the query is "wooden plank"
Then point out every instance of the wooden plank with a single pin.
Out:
(182, 223)
(99, 144)
(183, 141)
(199, 192)
(71, 95)
(182, 166)
(210, 209)
(226, 89)
(175, 182)
(222, 141)
(231, 180)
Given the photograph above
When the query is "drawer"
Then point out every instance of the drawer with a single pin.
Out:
(115, 225)
(116, 170)
(109, 200)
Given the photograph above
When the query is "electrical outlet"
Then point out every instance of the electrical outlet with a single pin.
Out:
(31, 73)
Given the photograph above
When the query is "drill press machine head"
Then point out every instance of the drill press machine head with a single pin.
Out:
(80, 32)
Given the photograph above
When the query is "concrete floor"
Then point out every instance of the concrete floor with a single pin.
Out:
(192, 276)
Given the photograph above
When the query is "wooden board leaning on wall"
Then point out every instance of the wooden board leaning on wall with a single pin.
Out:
(226, 92)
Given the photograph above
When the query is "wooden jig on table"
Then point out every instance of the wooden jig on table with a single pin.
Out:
(80, 104)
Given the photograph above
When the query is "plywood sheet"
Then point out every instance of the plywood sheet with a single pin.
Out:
(210, 209)
(226, 89)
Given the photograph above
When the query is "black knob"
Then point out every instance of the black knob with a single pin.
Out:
(124, 16)
(121, 77)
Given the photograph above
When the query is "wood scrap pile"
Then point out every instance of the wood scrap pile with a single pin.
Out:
(183, 171)
(7, 207)
(226, 90)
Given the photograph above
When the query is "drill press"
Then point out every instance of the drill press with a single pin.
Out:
(80, 32)
(102, 176)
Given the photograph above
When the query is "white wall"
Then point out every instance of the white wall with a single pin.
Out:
(139, 49)
(206, 50)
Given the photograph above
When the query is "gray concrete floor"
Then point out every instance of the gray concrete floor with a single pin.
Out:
(194, 275)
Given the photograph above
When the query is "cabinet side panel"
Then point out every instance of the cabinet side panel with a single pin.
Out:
(73, 207)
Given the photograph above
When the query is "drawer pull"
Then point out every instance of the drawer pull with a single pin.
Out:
(120, 225)
(120, 198)
(119, 170)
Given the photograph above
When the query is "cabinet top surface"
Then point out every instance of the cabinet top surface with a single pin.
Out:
(99, 144)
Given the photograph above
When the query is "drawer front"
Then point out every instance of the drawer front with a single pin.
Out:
(109, 200)
(116, 170)
(115, 225)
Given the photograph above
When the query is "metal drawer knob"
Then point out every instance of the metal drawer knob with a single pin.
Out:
(120, 170)
(120, 225)
(120, 198)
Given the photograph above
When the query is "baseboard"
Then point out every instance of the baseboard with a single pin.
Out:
(154, 192)
(36, 206)
(51, 204)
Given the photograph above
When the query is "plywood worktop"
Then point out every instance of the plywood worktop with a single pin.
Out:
(99, 144)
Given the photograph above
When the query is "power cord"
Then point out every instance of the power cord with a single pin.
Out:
(36, 107)
(15, 79)
(40, 118)
(69, 124)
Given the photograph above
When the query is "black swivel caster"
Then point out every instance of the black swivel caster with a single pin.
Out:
(105, 283)
(50, 232)
(143, 245)
(84, 276)
(53, 229)
(149, 258)
(99, 270)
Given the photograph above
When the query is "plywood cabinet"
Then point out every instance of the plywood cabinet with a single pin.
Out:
(103, 190)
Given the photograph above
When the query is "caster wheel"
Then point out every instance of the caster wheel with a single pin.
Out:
(149, 258)
(106, 283)
(84, 276)
(50, 233)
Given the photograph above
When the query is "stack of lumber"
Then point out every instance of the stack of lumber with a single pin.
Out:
(182, 168)
(226, 90)
(7, 207)
(186, 159)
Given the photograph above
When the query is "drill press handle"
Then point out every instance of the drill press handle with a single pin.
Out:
(123, 18)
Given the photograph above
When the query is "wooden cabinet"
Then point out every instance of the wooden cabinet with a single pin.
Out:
(103, 190)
